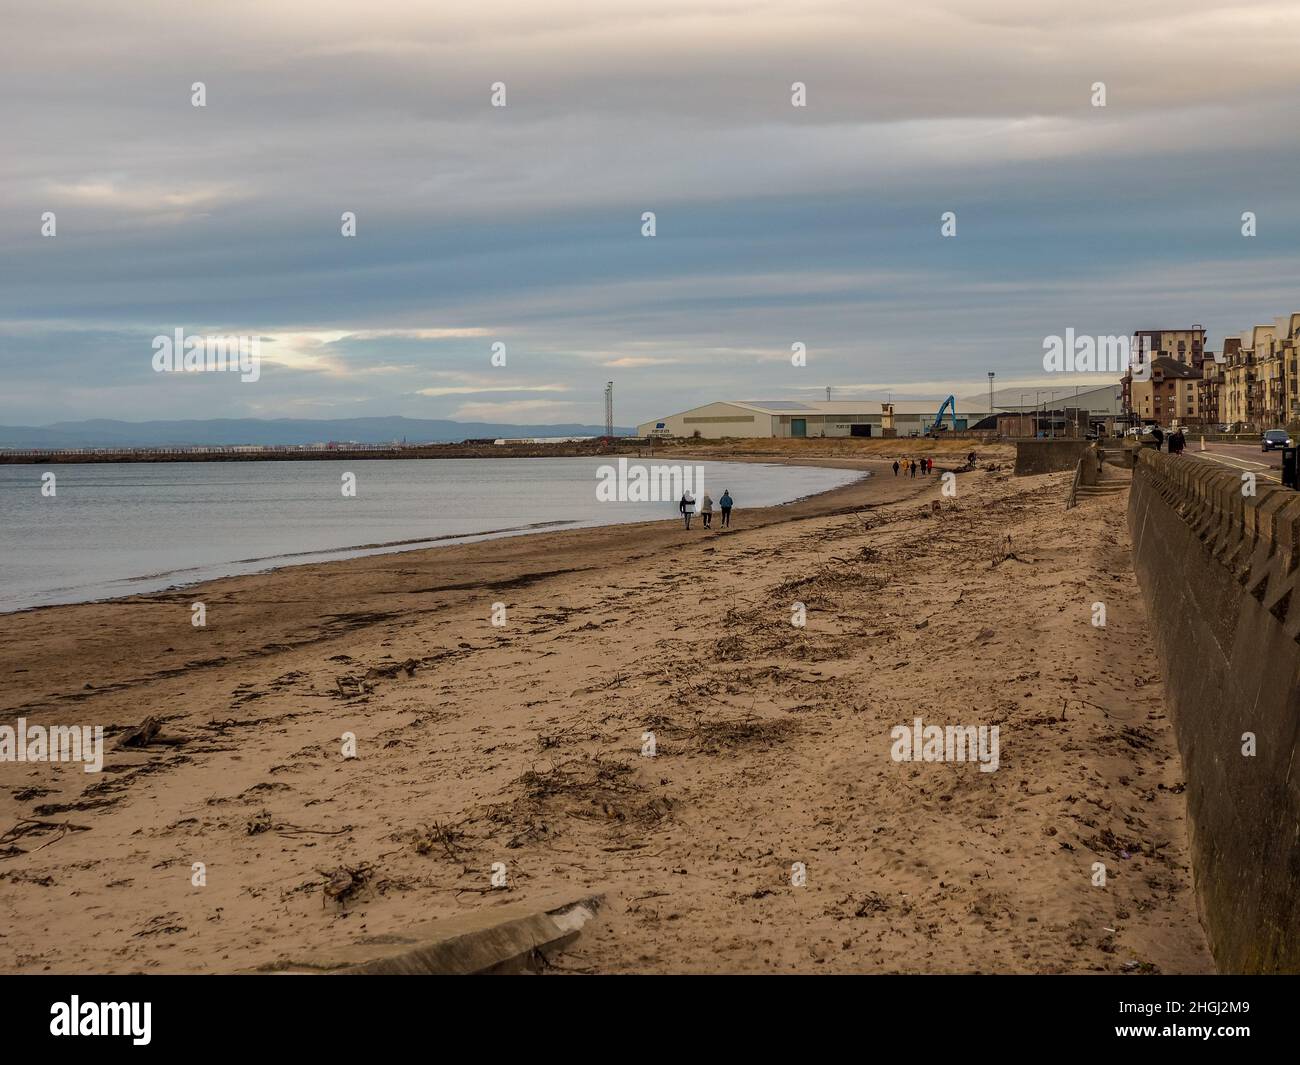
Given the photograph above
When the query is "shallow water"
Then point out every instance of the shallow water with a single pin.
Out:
(124, 528)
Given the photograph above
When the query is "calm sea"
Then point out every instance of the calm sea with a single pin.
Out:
(125, 528)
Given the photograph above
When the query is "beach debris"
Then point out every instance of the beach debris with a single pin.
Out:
(49, 809)
(18, 876)
(428, 838)
(149, 731)
(391, 670)
(259, 823)
(346, 881)
(556, 739)
(263, 822)
(873, 903)
(160, 926)
(351, 687)
(1005, 554)
(716, 737)
(586, 787)
(1108, 841)
(28, 826)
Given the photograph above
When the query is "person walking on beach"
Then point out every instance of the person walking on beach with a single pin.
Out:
(706, 510)
(913, 468)
(726, 503)
(687, 507)
(895, 467)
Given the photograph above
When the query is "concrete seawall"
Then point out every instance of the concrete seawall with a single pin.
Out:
(1047, 456)
(1218, 571)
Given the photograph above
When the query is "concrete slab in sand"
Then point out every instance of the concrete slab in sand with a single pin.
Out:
(494, 939)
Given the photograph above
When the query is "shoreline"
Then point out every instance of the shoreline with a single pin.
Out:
(309, 596)
(325, 556)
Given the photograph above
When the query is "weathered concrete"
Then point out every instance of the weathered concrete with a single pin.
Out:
(1218, 572)
(1047, 456)
(493, 939)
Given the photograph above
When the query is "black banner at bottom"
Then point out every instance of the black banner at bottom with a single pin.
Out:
(330, 1014)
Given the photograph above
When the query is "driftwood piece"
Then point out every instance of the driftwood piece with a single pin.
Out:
(148, 732)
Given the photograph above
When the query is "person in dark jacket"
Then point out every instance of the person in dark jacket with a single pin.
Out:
(726, 503)
(687, 507)
(895, 467)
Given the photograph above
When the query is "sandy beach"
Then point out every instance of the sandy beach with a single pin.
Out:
(523, 744)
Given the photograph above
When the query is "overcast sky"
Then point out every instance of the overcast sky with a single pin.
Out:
(522, 224)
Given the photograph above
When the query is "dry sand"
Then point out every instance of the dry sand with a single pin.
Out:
(522, 745)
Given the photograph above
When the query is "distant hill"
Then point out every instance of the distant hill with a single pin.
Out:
(105, 432)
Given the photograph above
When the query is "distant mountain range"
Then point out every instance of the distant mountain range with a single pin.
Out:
(105, 432)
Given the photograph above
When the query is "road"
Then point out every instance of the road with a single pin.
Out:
(1266, 465)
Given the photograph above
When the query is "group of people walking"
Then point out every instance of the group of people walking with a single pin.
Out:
(1177, 442)
(687, 508)
(909, 466)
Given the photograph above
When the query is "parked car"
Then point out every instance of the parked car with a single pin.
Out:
(1275, 438)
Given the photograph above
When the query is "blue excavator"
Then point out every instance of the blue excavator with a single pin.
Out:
(949, 405)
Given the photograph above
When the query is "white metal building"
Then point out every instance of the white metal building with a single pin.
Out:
(787, 418)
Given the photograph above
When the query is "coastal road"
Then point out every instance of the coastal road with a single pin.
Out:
(1266, 465)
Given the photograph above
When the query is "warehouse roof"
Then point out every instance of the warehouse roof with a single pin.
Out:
(848, 406)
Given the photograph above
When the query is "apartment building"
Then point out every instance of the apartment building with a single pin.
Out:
(1254, 383)
(1184, 345)
(1209, 389)
(1170, 394)
(1283, 381)
(1261, 379)
(1261, 342)
(1239, 393)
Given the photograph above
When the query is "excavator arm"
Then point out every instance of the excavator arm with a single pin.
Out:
(949, 405)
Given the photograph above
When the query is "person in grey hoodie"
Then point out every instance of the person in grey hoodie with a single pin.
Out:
(706, 510)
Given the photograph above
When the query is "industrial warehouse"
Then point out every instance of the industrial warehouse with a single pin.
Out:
(876, 418)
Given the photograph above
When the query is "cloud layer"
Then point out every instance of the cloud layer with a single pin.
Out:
(522, 225)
